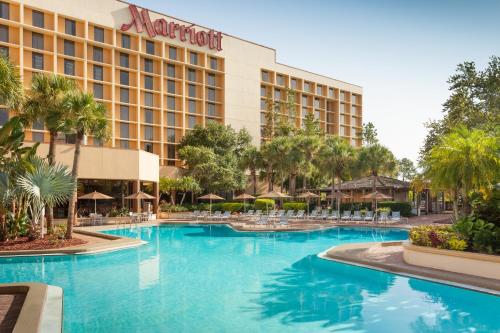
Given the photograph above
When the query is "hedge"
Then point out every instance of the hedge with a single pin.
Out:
(295, 206)
(395, 206)
(264, 204)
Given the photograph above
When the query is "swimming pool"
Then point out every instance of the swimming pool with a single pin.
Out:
(213, 279)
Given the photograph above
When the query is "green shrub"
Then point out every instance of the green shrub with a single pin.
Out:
(295, 206)
(264, 204)
(481, 236)
(397, 206)
(441, 237)
(457, 244)
(119, 212)
(166, 207)
(354, 206)
(233, 207)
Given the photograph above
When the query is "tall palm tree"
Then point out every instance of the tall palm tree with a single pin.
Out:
(252, 160)
(11, 87)
(308, 145)
(337, 157)
(87, 117)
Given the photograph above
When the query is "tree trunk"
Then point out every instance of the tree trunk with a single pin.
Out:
(3, 227)
(293, 183)
(339, 198)
(374, 188)
(74, 173)
(183, 197)
(455, 204)
(173, 194)
(270, 177)
(51, 157)
(254, 181)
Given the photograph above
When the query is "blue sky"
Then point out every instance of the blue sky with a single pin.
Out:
(401, 52)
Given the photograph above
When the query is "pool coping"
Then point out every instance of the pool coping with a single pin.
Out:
(339, 254)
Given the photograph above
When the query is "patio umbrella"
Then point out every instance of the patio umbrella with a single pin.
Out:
(273, 195)
(95, 196)
(244, 197)
(376, 196)
(308, 195)
(211, 197)
(139, 196)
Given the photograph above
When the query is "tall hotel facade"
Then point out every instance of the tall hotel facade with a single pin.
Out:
(158, 77)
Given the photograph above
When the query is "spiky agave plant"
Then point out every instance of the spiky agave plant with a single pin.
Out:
(45, 185)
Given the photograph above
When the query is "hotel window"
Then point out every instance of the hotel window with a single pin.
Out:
(342, 119)
(331, 93)
(304, 101)
(263, 92)
(124, 144)
(353, 121)
(171, 152)
(192, 121)
(148, 65)
(125, 41)
(148, 116)
(98, 73)
(124, 60)
(263, 104)
(213, 63)
(211, 79)
(172, 53)
(99, 34)
(148, 82)
(342, 96)
(304, 112)
(4, 33)
(191, 106)
(342, 107)
(263, 118)
(193, 58)
(124, 78)
(37, 19)
(316, 103)
(37, 60)
(353, 109)
(124, 130)
(97, 54)
(4, 51)
(124, 112)
(211, 94)
(4, 116)
(170, 119)
(148, 146)
(192, 90)
(37, 41)
(171, 70)
(317, 114)
(329, 117)
(211, 110)
(171, 86)
(171, 135)
(342, 130)
(38, 125)
(37, 137)
(148, 133)
(293, 83)
(191, 75)
(353, 99)
(70, 27)
(319, 90)
(69, 48)
(353, 131)
(124, 95)
(150, 47)
(98, 91)
(307, 86)
(170, 103)
(280, 80)
(265, 76)
(148, 99)
(4, 10)
(277, 94)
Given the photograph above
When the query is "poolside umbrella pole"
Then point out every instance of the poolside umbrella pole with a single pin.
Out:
(139, 196)
(211, 197)
(95, 196)
(308, 195)
(244, 197)
(273, 195)
(376, 196)
(338, 196)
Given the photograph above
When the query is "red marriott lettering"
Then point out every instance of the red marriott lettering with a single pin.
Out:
(141, 21)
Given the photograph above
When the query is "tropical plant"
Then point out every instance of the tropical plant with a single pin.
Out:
(369, 134)
(406, 169)
(87, 117)
(308, 143)
(251, 159)
(11, 87)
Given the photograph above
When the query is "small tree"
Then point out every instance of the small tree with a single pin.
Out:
(406, 169)
(11, 87)
(252, 160)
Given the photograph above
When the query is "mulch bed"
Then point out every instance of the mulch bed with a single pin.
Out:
(23, 243)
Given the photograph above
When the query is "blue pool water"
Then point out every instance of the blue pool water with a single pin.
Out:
(213, 279)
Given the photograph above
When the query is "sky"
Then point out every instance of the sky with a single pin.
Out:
(400, 52)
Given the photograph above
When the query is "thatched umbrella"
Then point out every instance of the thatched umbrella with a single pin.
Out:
(140, 196)
(95, 196)
(273, 195)
(308, 196)
(244, 197)
(211, 197)
(376, 196)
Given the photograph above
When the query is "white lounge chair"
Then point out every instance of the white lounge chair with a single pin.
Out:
(368, 216)
(216, 215)
(346, 215)
(263, 220)
(334, 215)
(300, 214)
(226, 215)
(356, 216)
(384, 217)
(283, 220)
(396, 217)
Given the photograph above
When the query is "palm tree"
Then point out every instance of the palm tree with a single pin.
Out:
(87, 117)
(252, 160)
(308, 145)
(336, 156)
(45, 186)
(11, 87)
(462, 161)
(294, 160)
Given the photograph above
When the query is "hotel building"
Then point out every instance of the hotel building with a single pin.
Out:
(158, 77)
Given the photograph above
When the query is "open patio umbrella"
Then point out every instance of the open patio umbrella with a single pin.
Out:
(95, 196)
(211, 197)
(139, 196)
(376, 196)
(244, 197)
(308, 196)
(273, 195)
(338, 196)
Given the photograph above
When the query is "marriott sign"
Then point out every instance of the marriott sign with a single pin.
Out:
(141, 21)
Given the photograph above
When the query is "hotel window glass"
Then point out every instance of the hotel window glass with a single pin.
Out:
(98, 91)
(125, 41)
(172, 53)
(38, 125)
(342, 96)
(319, 90)
(342, 119)
(193, 58)
(69, 48)
(124, 78)
(124, 60)
(192, 106)
(148, 99)
(213, 63)
(211, 79)
(148, 65)
(265, 76)
(124, 144)
(307, 86)
(280, 80)
(353, 109)
(170, 119)
(124, 112)
(98, 73)
(171, 103)
(353, 131)
(263, 119)
(150, 47)
(4, 116)
(170, 135)
(342, 107)
(191, 121)
(192, 90)
(4, 33)
(148, 116)
(293, 83)
(171, 86)
(37, 41)
(342, 130)
(124, 95)
(304, 101)
(37, 60)
(191, 75)
(37, 137)
(37, 19)
(329, 117)
(304, 112)
(331, 93)
(316, 103)
(97, 54)
(148, 146)
(353, 99)
(171, 152)
(211, 110)
(4, 51)
(353, 121)
(317, 114)
(263, 91)
(263, 104)
(211, 94)
(124, 131)
(97, 142)
(171, 70)
(99, 34)
(70, 27)
(148, 133)
(148, 82)
(277, 94)
(4, 10)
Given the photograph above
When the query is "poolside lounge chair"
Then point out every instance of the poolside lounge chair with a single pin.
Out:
(356, 216)
(384, 217)
(334, 215)
(280, 213)
(346, 215)
(313, 215)
(368, 216)
(290, 213)
(249, 213)
(323, 215)
(396, 216)
(272, 214)
(263, 220)
(283, 220)
(216, 215)
(300, 214)
(203, 215)
(226, 215)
